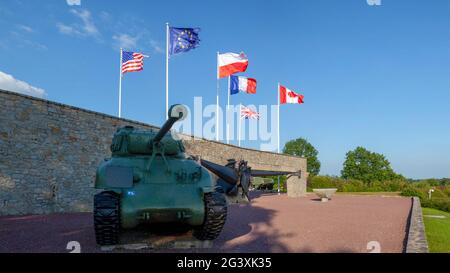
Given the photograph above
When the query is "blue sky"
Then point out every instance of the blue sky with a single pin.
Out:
(372, 76)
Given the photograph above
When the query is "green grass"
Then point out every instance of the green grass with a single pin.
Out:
(437, 230)
(393, 193)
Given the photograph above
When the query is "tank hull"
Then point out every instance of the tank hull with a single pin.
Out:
(162, 203)
(170, 191)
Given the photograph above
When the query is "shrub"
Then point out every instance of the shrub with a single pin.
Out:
(413, 191)
(445, 190)
(353, 185)
(438, 193)
(317, 182)
(439, 199)
(437, 203)
(395, 185)
(423, 185)
(283, 186)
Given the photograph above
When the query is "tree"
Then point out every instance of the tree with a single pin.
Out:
(367, 166)
(301, 147)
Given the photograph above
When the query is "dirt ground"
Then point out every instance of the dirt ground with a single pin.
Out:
(271, 223)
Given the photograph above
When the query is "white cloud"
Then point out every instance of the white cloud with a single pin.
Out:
(140, 42)
(86, 28)
(105, 16)
(9, 83)
(22, 38)
(156, 46)
(125, 41)
(32, 44)
(66, 29)
(26, 28)
(88, 25)
(73, 2)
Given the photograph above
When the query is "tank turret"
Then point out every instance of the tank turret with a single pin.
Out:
(132, 141)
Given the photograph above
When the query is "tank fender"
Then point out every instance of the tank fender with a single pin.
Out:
(210, 189)
(207, 189)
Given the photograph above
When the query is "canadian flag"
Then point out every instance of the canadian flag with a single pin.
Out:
(289, 96)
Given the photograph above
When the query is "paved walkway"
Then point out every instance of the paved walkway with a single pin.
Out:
(272, 223)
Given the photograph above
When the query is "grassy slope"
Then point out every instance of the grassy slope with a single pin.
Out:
(437, 230)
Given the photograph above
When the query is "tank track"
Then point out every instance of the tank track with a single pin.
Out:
(107, 218)
(215, 216)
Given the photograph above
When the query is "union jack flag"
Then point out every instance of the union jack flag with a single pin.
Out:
(132, 61)
(248, 113)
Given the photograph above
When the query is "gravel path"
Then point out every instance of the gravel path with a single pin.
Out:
(272, 223)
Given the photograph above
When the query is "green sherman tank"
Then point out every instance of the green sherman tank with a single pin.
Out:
(150, 179)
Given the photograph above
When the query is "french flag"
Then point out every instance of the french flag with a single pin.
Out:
(230, 63)
(242, 84)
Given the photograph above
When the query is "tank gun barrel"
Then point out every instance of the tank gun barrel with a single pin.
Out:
(228, 174)
(164, 129)
(176, 112)
(263, 173)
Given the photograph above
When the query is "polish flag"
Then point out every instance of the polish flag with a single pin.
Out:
(230, 63)
(289, 96)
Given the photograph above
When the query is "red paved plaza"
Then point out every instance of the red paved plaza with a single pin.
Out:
(272, 223)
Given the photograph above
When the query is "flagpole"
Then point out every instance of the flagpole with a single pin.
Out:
(278, 116)
(167, 70)
(278, 131)
(217, 100)
(120, 85)
(240, 129)
(228, 110)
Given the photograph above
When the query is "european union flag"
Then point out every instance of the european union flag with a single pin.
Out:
(183, 39)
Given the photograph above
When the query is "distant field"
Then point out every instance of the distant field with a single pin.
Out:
(437, 230)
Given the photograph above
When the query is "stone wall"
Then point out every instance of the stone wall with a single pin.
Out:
(417, 239)
(49, 153)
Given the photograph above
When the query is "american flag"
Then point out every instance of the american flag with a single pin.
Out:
(132, 61)
(248, 113)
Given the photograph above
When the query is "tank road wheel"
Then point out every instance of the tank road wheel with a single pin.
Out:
(215, 216)
(107, 218)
